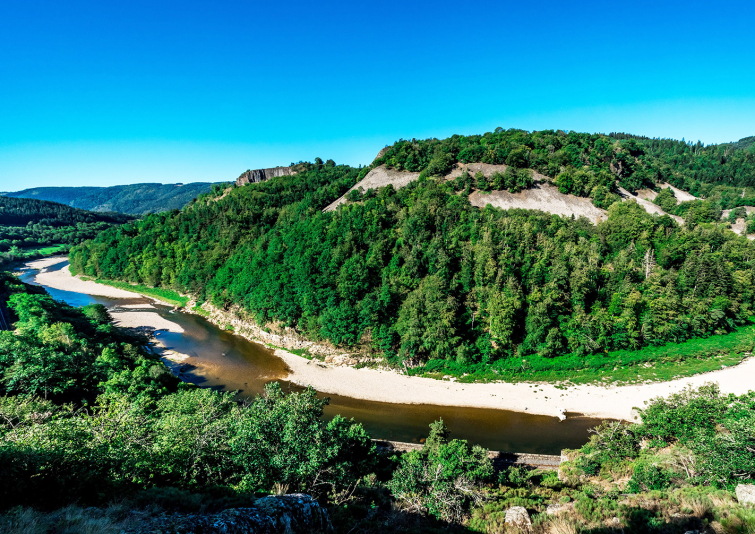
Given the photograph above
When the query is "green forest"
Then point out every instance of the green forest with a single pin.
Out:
(422, 277)
(32, 228)
(592, 163)
(97, 436)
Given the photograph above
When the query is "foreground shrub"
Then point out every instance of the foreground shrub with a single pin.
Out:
(443, 479)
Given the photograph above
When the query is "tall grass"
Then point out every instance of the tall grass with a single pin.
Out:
(166, 295)
(654, 364)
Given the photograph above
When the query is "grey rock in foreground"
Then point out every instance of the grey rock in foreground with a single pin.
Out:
(745, 493)
(286, 514)
(518, 517)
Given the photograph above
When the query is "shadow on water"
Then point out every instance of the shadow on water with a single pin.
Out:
(220, 360)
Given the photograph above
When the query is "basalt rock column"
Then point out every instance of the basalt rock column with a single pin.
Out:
(260, 175)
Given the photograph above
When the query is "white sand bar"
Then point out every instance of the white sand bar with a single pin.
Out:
(135, 319)
(63, 280)
(545, 399)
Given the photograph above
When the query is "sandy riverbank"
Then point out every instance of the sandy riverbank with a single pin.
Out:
(545, 399)
(125, 315)
(388, 386)
(63, 279)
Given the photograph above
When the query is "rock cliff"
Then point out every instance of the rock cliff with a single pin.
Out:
(260, 175)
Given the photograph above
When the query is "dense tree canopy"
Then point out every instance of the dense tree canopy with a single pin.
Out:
(421, 274)
(88, 413)
(22, 211)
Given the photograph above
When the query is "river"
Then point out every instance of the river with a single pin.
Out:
(224, 361)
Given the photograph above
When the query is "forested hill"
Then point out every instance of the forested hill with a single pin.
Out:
(21, 211)
(421, 275)
(718, 173)
(32, 228)
(136, 199)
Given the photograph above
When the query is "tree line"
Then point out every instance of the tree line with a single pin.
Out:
(29, 227)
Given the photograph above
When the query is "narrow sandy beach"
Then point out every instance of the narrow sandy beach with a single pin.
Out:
(545, 399)
(126, 315)
(388, 386)
(63, 280)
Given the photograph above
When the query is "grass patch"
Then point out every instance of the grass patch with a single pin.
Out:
(622, 367)
(304, 353)
(166, 295)
(45, 251)
(199, 310)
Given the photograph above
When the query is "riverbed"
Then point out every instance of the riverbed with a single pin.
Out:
(208, 356)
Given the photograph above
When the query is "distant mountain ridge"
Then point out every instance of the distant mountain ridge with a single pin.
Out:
(135, 199)
(21, 211)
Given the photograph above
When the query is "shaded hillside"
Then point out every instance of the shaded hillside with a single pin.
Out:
(136, 199)
(21, 211)
(31, 228)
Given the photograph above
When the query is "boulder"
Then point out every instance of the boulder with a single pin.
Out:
(518, 517)
(745, 493)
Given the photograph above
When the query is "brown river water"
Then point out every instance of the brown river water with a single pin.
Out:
(224, 361)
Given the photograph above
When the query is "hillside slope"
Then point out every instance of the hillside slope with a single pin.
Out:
(419, 274)
(21, 211)
(135, 199)
(543, 195)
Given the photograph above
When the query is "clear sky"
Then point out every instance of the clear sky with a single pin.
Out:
(104, 93)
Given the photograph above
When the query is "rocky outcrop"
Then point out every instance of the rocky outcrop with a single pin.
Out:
(377, 178)
(289, 514)
(745, 493)
(277, 335)
(260, 175)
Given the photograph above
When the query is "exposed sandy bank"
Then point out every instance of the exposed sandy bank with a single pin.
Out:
(63, 280)
(594, 401)
(681, 196)
(122, 315)
(136, 319)
(544, 197)
(377, 178)
(647, 205)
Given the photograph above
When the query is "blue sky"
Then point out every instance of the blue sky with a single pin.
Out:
(104, 93)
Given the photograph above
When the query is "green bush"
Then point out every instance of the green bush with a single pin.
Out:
(443, 479)
(647, 477)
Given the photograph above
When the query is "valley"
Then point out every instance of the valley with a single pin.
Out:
(587, 297)
(203, 354)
